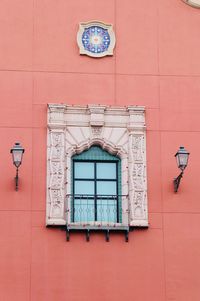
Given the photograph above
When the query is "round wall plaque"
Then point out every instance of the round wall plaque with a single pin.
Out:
(96, 39)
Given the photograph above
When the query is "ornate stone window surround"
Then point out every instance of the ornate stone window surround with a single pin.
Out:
(118, 130)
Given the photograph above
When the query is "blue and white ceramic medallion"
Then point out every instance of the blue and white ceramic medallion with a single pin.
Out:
(96, 39)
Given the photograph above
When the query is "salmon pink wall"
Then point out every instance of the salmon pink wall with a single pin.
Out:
(155, 64)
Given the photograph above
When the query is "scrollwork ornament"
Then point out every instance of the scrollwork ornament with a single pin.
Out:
(96, 130)
(138, 170)
(56, 139)
(56, 203)
(56, 168)
(57, 181)
(137, 148)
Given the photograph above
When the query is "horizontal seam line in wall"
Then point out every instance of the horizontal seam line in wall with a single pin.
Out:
(21, 210)
(114, 105)
(172, 212)
(164, 212)
(155, 228)
(101, 73)
(22, 127)
(45, 127)
(172, 131)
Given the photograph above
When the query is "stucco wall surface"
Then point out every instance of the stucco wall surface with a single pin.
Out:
(155, 64)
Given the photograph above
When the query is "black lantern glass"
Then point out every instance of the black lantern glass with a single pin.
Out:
(182, 158)
(17, 154)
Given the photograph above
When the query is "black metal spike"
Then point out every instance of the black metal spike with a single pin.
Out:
(126, 236)
(67, 235)
(88, 235)
(107, 236)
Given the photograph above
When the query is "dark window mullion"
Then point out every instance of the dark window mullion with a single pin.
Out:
(85, 179)
(73, 189)
(106, 196)
(106, 180)
(117, 184)
(95, 192)
(84, 196)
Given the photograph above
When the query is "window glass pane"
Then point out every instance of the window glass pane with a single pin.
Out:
(84, 187)
(106, 170)
(106, 188)
(107, 210)
(84, 170)
(83, 210)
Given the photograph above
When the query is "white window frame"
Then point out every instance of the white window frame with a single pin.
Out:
(120, 131)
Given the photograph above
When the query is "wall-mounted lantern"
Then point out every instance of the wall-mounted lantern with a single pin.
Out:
(182, 160)
(17, 154)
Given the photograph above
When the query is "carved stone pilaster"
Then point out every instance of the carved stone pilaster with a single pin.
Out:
(55, 177)
(137, 178)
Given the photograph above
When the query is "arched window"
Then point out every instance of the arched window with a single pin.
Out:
(96, 187)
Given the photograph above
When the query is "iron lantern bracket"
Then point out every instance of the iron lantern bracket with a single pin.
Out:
(16, 180)
(177, 181)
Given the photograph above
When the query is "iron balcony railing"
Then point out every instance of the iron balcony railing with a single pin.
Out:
(97, 210)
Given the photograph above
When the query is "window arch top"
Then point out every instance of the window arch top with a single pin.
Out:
(95, 152)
